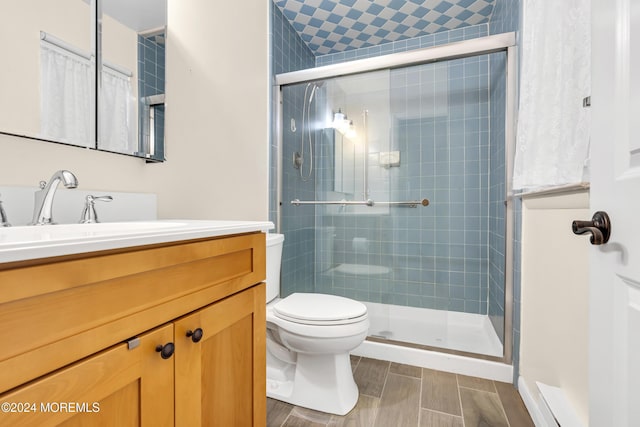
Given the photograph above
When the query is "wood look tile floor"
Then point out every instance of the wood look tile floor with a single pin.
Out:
(395, 395)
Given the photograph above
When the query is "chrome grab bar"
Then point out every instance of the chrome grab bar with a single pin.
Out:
(368, 202)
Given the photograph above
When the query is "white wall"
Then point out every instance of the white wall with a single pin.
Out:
(555, 279)
(217, 123)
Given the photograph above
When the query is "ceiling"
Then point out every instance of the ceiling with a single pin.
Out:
(330, 26)
(139, 15)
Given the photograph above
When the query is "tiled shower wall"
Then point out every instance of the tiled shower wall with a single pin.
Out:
(426, 270)
(506, 18)
(289, 53)
(497, 191)
(435, 256)
(151, 81)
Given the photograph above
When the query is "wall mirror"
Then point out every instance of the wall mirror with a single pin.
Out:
(344, 161)
(53, 90)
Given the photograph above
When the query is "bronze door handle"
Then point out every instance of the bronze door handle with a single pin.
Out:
(599, 227)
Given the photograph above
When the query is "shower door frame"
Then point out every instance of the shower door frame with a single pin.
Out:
(505, 42)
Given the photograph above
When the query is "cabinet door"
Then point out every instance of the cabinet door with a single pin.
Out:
(117, 387)
(220, 379)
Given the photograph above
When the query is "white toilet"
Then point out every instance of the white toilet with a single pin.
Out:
(309, 337)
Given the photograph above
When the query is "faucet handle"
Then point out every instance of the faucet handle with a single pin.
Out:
(99, 198)
(89, 214)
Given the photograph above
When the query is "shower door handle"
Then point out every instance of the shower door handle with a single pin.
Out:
(599, 227)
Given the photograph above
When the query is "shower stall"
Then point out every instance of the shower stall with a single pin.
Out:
(393, 190)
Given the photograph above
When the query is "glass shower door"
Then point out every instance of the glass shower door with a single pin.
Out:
(425, 272)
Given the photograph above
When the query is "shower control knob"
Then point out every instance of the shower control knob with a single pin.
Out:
(195, 335)
(166, 351)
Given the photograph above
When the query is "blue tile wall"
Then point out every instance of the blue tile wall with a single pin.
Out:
(437, 257)
(298, 222)
(289, 53)
(505, 18)
(452, 262)
(444, 265)
(151, 66)
(151, 81)
(497, 191)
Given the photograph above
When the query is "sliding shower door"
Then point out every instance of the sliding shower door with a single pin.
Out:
(384, 143)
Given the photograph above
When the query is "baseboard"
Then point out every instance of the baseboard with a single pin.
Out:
(539, 412)
(488, 369)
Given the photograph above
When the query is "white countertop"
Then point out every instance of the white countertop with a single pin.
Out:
(32, 242)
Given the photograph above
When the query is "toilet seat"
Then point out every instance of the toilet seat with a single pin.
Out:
(320, 309)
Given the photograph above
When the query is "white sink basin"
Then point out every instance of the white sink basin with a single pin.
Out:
(27, 235)
(29, 242)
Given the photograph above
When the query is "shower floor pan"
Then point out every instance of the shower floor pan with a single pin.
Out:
(451, 330)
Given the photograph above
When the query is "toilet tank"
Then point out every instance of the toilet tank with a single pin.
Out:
(274, 261)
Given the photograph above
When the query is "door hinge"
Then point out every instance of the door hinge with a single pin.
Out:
(586, 102)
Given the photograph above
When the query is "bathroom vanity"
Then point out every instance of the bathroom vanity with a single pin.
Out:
(158, 327)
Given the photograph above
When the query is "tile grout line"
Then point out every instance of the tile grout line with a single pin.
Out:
(481, 391)
(504, 411)
(460, 400)
(386, 377)
(288, 415)
(377, 411)
(357, 364)
(420, 399)
(406, 376)
(443, 413)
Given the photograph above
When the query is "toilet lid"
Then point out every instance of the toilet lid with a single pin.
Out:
(319, 309)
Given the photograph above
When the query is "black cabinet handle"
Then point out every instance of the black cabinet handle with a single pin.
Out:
(599, 227)
(195, 335)
(166, 351)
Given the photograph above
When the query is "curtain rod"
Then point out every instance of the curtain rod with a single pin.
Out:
(50, 38)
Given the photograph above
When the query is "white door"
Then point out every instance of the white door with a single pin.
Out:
(614, 302)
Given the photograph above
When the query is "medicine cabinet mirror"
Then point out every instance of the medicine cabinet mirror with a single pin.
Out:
(51, 90)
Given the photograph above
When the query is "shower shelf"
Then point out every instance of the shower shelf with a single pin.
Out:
(369, 202)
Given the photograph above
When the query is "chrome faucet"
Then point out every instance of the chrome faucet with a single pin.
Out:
(3, 217)
(44, 197)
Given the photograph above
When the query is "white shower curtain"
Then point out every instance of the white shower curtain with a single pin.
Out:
(66, 96)
(552, 145)
(117, 130)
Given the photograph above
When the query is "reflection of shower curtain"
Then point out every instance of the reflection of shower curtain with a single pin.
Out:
(66, 98)
(553, 126)
(116, 113)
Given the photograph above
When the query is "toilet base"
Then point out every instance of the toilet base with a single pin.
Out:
(321, 382)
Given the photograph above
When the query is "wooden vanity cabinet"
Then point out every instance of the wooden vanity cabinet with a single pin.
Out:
(116, 387)
(98, 324)
(220, 378)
